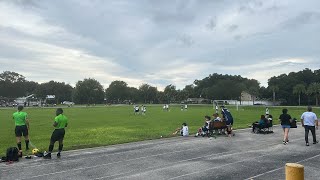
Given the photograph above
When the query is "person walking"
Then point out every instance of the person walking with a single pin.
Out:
(60, 123)
(22, 128)
(309, 121)
(285, 119)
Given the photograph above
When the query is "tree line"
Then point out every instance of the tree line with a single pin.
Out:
(295, 88)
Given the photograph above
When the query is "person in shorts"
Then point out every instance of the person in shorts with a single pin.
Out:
(60, 123)
(285, 120)
(21, 128)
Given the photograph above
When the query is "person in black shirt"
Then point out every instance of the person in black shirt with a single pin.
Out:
(285, 119)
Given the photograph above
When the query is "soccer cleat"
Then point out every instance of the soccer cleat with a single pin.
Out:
(58, 155)
(307, 144)
(47, 156)
(315, 142)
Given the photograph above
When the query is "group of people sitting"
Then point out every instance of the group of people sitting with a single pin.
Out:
(264, 123)
(208, 127)
(216, 125)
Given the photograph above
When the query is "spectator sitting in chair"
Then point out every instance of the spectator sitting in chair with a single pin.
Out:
(262, 123)
(269, 117)
(216, 118)
(204, 129)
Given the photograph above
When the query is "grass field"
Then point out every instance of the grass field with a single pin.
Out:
(107, 125)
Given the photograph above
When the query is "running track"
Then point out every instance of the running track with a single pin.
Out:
(244, 156)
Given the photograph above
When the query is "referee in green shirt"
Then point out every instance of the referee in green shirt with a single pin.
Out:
(60, 122)
(22, 128)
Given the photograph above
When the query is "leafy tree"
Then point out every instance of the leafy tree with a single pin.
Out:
(274, 89)
(133, 94)
(148, 93)
(170, 93)
(12, 77)
(189, 91)
(13, 85)
(298, 90)
(88, 91)
(254, 91)
(62, 91)
(118, 91)
(314, 89)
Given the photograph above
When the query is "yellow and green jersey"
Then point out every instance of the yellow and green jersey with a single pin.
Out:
(61, 121)
(20, 118)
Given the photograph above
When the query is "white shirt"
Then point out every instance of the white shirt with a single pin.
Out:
(185, 131)
(217, 119)
(309, 118)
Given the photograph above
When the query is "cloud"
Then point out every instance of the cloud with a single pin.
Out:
(157, 42)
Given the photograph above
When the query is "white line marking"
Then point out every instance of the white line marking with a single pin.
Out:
(281, 168)
(109, 164)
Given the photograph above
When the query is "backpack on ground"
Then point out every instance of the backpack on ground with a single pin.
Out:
(293, 123)
(12, 154)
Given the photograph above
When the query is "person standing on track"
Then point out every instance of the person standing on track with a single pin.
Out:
(309, 121)
(285, 119)
(60, 123)
(22, 128)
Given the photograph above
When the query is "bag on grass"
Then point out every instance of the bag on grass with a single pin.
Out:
(12, 154)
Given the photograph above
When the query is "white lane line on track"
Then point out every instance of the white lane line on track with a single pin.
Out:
(232, 164)
(166, 165)
(101, 151)
(86, 153)
(77, 169)
(280, 168)
(109, 164)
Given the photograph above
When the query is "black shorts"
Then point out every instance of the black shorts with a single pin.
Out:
(57, 135)
(21, 130)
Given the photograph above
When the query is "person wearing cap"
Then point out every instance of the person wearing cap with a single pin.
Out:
(309, 121)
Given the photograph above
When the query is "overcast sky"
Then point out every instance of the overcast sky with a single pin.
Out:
(159, 42)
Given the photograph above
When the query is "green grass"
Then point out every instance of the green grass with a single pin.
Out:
(107, 125)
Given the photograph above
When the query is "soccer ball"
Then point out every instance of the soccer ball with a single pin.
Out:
(35, 151)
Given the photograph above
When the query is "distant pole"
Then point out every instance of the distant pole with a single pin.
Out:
(237, 105)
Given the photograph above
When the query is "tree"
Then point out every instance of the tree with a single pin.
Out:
(14, 85)
(62, 91)
(314, 89)
(170, 93)
(240, 87)
(148, 93)
(254, 91)
(189, 91)
(274, 89)
(88, 91)
(117, 91)
(298, 90)
(12, 77)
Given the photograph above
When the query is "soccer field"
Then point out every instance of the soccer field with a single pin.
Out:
(107, 125)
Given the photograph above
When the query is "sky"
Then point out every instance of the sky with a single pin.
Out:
(157, 42)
